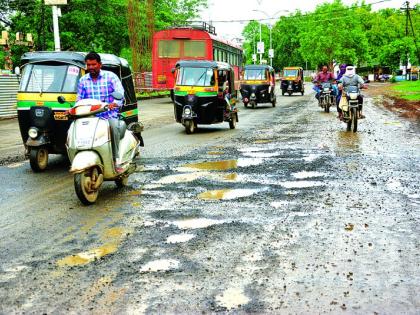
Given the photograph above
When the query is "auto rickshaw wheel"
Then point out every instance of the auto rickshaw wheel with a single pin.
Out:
(283, 92)
(84, 185)
(274, 101)
(303, 92)
(245, 104)
(232, 122)
(189, 127)
(289, 92)
(38, 159)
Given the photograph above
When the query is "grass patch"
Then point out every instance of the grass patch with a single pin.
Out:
(408, 90)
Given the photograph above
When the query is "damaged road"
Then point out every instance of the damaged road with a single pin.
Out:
(288, 213)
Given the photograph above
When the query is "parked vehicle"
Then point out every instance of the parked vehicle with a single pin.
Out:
(204, 93)
(292, 81)
(89, 147)
(258, 85)
(42, 120)
(326, 96)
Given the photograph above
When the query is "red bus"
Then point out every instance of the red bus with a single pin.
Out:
(197, 42)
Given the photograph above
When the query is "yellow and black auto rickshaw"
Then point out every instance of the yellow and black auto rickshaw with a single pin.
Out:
(42, 120)
(258, 85)
(204, 93)
(292, 81)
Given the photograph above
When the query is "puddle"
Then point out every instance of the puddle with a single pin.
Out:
(114, 236)
(88, 256)
(232, 176)
(214, 165)
(179, 238)
(181, 178)
(262, 141)
(199, 223)
(227, 194)
(245, 162)
(160, 265)
(301, 184)
(232, 298)
(261, 154)
(304, 174)
(311, 157)
(221, 165)
(215, 153)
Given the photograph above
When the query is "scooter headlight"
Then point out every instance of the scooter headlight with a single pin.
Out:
(33, 132)
(187, 111)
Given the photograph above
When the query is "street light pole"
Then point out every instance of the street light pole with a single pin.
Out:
(270, 28)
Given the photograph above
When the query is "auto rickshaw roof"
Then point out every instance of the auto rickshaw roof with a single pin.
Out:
(204, 64)
(292, 68)
(70, 57)
(258, 67)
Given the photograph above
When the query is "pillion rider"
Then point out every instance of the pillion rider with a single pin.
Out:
(99, 84)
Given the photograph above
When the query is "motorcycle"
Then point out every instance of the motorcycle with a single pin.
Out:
(90, 151)
(350, 107)
(326, 96)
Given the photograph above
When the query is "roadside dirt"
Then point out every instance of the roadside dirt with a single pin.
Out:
(382, 93)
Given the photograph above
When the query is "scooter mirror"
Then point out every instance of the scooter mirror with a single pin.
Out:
(117, 95)
(61, 99)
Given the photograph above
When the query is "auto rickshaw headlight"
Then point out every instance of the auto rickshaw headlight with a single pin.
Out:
(187, 111)
(33, 132)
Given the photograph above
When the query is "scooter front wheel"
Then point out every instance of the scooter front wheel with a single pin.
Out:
(38, 159)
(85, 185)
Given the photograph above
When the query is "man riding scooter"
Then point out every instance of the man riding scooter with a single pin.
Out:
(100, 84)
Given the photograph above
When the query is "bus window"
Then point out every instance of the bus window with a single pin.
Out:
(169, 48)
(195, 48)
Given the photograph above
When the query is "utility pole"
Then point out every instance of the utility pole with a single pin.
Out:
(407, 10)
(56, 13)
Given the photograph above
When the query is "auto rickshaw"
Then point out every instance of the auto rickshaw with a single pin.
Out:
(292, 81)
(258, 85)
(42, 120)
(204, 93)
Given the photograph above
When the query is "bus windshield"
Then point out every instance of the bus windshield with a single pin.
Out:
(195, 77)
(50, 78)
(255, 74)
(290, 73)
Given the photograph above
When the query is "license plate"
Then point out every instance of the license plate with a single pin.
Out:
(60, 116)
(84, 142)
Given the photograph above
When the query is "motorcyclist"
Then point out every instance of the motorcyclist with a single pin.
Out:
(323, 77)
(99, 84)
(350, 78)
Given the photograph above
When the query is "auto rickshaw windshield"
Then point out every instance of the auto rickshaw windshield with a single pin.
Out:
(49, 78)
(290, 73)
(192, 76)
(255, 74)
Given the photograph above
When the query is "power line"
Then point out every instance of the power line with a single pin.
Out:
(299, 16)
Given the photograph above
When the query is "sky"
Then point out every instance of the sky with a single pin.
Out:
(227, 10)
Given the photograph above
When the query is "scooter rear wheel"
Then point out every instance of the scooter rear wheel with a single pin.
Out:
(38, 159)
(83, 183)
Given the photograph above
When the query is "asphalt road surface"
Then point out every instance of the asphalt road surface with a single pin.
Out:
(288, 213)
